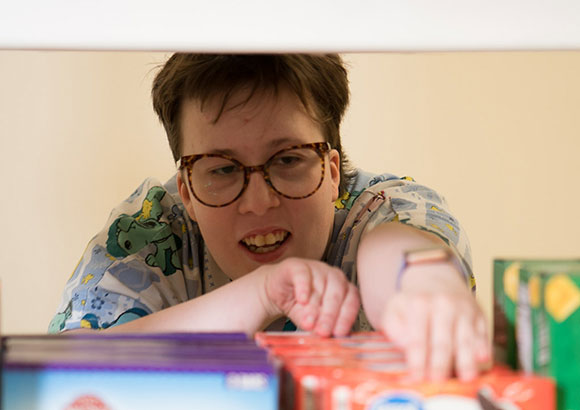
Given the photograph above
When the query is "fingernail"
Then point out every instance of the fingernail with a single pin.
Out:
(437, 375)
(324, 328)
(467, 375)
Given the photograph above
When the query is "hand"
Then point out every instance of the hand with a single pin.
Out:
(440, 326)
(313, 294)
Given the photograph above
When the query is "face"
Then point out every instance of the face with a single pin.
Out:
(252, 133)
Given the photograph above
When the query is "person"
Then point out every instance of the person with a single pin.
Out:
(267, 226)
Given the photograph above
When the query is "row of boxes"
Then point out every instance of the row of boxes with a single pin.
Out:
(289, 370)
(220, 371)
(367, 372)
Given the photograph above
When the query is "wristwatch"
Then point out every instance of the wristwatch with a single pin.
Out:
(433, 254)
(428, 255)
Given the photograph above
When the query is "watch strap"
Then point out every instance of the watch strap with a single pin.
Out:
(432, 254)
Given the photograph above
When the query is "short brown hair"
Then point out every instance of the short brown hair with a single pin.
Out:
(319, 81)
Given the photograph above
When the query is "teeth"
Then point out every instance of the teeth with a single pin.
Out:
(259, 240)
(263, 243)
(265, 249)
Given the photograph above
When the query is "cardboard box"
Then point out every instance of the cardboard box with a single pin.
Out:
(136, 372)
(333, 374)
(549, 326)
(496, 389)
(506, 291)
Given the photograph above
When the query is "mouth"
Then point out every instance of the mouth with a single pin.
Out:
(261, 244)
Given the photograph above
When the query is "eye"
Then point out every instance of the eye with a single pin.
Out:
(223, 171)
(288, 160)
(127, 245)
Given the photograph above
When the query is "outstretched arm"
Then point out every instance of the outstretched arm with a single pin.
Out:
(433, 314)
(313, 294)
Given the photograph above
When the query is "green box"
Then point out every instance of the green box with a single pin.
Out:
(548, 325)
(506, 289)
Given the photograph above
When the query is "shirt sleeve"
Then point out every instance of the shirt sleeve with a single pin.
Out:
(389, 198)
(374, 200)
(144, 260)
(416, 205)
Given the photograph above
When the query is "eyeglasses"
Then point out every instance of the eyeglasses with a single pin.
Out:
(218, 180)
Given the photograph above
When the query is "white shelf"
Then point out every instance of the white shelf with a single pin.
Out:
(299, 25)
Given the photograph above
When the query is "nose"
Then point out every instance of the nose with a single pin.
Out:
(258, 196)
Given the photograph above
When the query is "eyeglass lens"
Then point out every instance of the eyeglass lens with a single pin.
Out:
(294, 173)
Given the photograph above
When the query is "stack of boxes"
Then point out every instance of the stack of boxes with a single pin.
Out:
(128, 372)
(367, 372)
(288, 371)
(537, 321)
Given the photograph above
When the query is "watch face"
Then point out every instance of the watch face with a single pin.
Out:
(435, 254)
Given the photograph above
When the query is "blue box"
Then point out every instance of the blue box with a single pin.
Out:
(128, 372)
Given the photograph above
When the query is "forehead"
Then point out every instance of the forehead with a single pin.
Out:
(246, 122)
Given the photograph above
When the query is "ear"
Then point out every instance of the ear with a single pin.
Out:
(334, 159)
(186, 196)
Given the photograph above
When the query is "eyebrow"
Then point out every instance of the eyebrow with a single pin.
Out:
(273, 145)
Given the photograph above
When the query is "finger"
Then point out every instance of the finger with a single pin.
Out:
(307, 314)
(417, 330)
(348, 311)
(465, 362)
(302, 283)
(393, 321)
(335, 288)
(310, 310)
(482, 344)
(441, 338)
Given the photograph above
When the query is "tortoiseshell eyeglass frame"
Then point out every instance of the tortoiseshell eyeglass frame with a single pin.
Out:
(187, 161)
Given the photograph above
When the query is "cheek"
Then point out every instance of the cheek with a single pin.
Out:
(316, 216)
(211, 222)
(316, 227)
(217, 229)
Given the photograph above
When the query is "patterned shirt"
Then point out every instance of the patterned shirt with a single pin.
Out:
(151, 255)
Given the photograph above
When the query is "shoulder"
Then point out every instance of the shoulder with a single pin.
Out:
(136, 261)
(366, 182)
(362, 179)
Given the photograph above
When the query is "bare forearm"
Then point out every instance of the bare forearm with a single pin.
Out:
(236, 307)
(311, 293)
(432, 315)
(380, 256)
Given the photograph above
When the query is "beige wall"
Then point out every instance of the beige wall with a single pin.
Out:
(496, 133)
